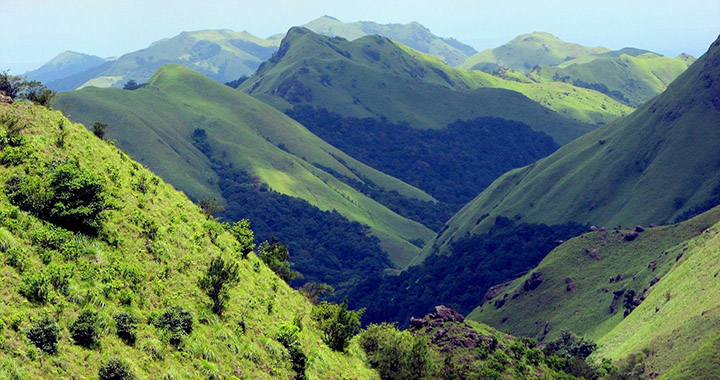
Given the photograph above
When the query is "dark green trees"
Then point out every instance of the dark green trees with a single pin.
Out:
(244, 236)
(177, 323)
(85, 330)
(275, 256)
(337, 323)
(219, 277)
(45, 335)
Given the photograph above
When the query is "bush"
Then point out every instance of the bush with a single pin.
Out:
(337, 323)
(396, 354)
(45, 335)
(85, 331)
(115, 369)
(287, 336)
(276, 256)
(244, 236)
(219, 277)
(177, 323)
(126, 324)
(36, 287)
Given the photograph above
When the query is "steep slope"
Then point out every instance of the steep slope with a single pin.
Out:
(413, 35)
(222, 55)
(529, 50)
(631, 79)
(155, 124)
(153, 247)
(653, 295)
(64, 65)
(656, 165)
(375, 77)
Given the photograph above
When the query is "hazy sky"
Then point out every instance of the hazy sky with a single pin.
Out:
(34, 31)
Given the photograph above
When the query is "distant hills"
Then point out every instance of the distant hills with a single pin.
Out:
(414, 35)
(64, 65)
(222, 55)
(657, 165)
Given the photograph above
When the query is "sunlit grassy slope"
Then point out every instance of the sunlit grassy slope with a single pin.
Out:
(376, 77)
(632, 79)
(222, 55)
(675, 267)
(155, 124)
(529, 50)
(155, 272)
(649, 167)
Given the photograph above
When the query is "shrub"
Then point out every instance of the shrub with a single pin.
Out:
(287, 336)
(276, 256)
(99, 129)
(396, 354)
(337, 323)
(219, 276)
(177, 323)
(244, 236)
(45, 335)
(115, 369)
(126, 324)
(35, 287)
(85, 330)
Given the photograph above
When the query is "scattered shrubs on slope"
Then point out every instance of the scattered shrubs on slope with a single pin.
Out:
(115, 369)
(45, 335)
(85, 331)
(276, 256)
(63, 193)
(177, 323)
(337, 323)
(126, 326)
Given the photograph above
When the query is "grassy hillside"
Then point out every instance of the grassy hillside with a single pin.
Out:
(153, 246)
(64, 65)
(631, 79)
(529, 50)
(222, 55)
(155, 125)
(375, 77)
(657, 165)
(587, 284)
(413, 34)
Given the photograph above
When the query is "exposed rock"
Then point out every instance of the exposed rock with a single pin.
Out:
(654, 281)
(593, 228)
(5, 99)
(499, 303)
(494, 291)
(603, 229)
(617, 278)
(630, 236)
(678, 257)
(533, 282)
(652, 265)
(639, 228)
(416, 322)
(446, 314)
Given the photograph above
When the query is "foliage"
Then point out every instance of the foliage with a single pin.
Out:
(66, 195)
(36, 287)
(17, 87)
(276, 256)
(460, 279)
(337, 323)
(85, 331)
(10, 85)
(244, 236)
(570, 345)
(177, 324)
(125, 327)
(452, 164)
(396, 355)
(313, 290)
(45, 335)
(287, 336)
(220, 275)
(133, 85)
(115, 369)
(99, 129)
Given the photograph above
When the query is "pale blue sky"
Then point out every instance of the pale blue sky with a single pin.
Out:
(34, 31)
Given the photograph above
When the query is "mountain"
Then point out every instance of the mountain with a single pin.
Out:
(375, 77)
(102, 264)
(209, 140)
(414, 35)
(64, 65)
(526, 51)
(657, 165)
(633, 77)
(222, 55)
(650, 294)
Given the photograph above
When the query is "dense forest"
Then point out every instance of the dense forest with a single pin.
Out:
(452, 164)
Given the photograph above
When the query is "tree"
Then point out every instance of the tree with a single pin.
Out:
(210, 206)
(219, 276)
(36, 92)
(287, 336)
(177, 323)
(99, 129)
(244, 236)
(45, 335)
(133, 85)
(276, 256)
(115, 369)
(314, 290)
(126, 324)
(85, 331)
(10, 85)
(337, 323)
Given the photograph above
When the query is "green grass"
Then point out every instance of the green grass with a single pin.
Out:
(376, 77)
(649, 167)
(169, 267)
(155, 123)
